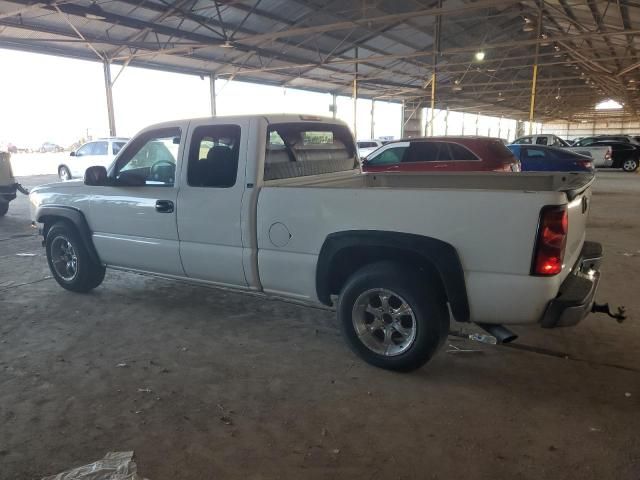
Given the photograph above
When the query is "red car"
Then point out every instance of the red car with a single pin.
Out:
(442, 154)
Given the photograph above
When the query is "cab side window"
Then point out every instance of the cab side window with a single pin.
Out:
(150, 158)
(213, 156)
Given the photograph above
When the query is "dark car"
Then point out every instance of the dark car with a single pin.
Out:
(539, 158)
(625, 155)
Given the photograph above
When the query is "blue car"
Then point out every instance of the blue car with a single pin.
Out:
(539, 158)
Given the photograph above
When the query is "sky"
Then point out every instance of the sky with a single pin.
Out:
(52, 99)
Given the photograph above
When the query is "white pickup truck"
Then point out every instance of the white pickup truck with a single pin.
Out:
(273, 204)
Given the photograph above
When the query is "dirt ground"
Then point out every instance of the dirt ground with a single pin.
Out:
(206, 384)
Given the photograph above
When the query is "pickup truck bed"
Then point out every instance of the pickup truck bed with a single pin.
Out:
(475, 205)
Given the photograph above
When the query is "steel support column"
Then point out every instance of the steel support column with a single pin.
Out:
(334, 105)
(214, 96)
(109, 93)
(373, 123)
(355, 98)
(446, 122)
(436, 50)
(532, 106)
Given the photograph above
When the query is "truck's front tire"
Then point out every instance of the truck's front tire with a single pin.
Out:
(392, 317)
(69, 261)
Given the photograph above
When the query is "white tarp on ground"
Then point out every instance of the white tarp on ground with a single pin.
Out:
(114, 466)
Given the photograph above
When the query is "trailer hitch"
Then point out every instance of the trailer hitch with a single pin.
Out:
(21, 189)
(620, 315)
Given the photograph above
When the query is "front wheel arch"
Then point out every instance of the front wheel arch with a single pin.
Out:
(48, 215)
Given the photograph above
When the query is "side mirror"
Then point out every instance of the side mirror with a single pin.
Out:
(72, 154)
(364, 161)
(95, 176)
(130, 178)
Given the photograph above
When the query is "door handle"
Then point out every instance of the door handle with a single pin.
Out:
(164, 206)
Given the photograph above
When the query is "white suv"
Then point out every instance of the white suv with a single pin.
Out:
(98, 152)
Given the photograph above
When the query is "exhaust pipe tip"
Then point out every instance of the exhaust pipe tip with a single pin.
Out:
(500, 332)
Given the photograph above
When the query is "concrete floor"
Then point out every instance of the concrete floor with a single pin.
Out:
(246, 388)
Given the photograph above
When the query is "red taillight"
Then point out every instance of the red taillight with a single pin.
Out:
(585, 164)
(552, 238)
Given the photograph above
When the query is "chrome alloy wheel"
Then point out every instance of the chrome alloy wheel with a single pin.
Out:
(629, 165)
(384, 322)
(64, 258)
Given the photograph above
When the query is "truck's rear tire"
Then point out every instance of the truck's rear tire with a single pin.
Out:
(69, 261)
(392, 317)
(4, 208)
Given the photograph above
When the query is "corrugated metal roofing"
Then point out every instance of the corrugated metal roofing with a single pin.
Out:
(588, 50)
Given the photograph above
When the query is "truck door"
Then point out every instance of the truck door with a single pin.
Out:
(210, 201)
(134, 221)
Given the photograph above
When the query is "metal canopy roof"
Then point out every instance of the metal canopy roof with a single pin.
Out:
(587, 50)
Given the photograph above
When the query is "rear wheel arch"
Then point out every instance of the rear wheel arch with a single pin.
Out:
(344, 253)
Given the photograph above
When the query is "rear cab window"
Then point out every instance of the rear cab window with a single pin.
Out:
(307, 148)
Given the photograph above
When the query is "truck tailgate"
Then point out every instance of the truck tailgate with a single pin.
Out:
(579, 202)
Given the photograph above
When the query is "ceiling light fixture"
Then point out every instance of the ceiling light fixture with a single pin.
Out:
(479, 56)
(227, 44)
(528, 25)
(544, 42)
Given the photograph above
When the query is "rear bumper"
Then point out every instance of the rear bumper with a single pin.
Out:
(8, 192)
(577, 293)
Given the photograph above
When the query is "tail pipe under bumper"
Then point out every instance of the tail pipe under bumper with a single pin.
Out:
(501, 333)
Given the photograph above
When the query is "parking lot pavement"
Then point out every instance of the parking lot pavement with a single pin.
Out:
(204, 383)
